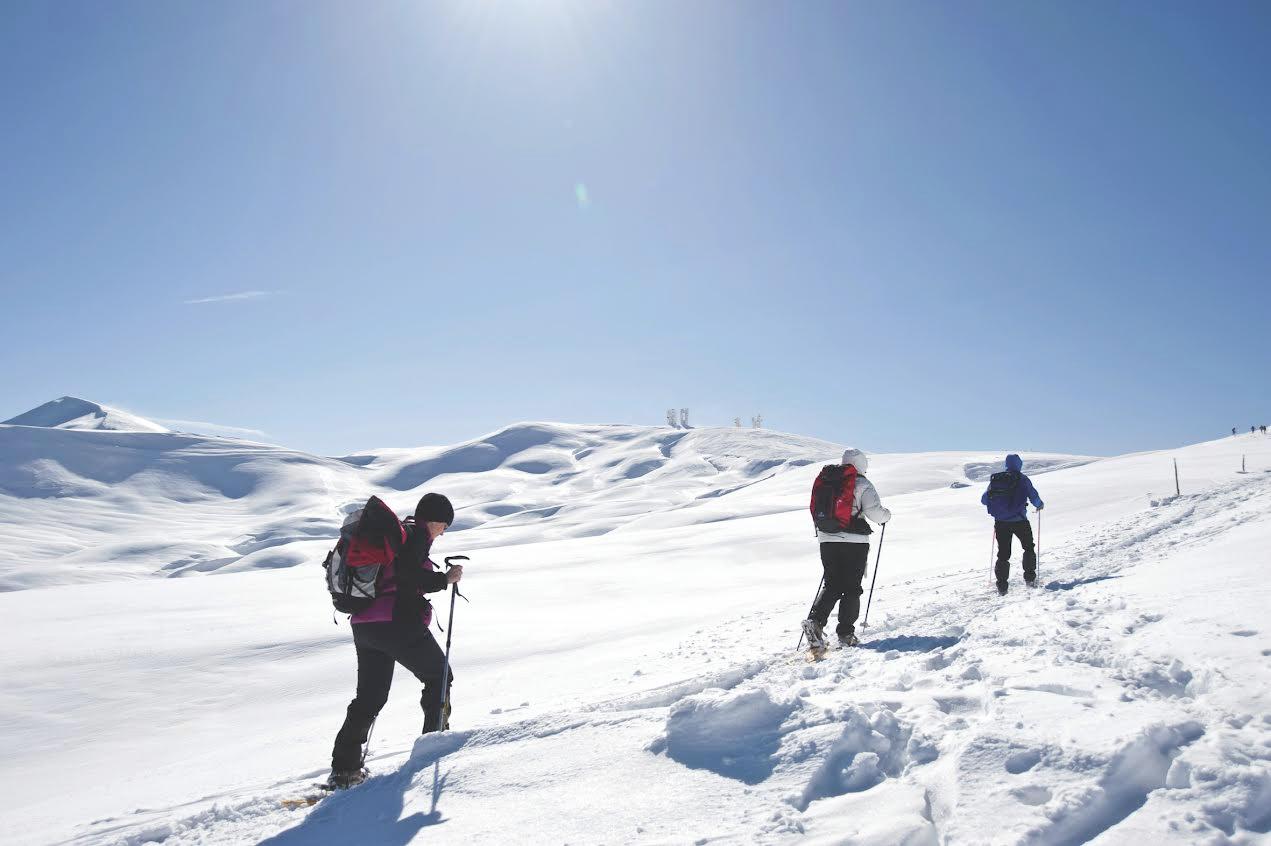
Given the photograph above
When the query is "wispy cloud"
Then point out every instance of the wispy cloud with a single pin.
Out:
(224, 298)
(204, 428)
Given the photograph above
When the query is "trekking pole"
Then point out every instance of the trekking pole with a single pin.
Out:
(865, 622)
(366, 750)
(814, 596)
(450, 631)
(1039, 538)
(992, 550)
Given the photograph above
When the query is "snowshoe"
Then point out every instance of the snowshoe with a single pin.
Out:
(848, 640)
(814, 633)
(343, 779)
(338, 780)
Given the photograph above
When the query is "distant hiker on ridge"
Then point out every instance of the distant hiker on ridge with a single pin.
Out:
(841, 500)
(1007, 498)
(394, 630)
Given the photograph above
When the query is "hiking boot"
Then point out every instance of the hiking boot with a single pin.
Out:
(1001, 588)
(1031, 582)
(815, 634)
(341, 779)
(430, 719)
(430, 724)
(848, 639)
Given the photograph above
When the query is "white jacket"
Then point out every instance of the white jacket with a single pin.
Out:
(866, 501)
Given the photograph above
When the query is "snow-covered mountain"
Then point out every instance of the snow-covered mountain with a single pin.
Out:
(626, 669)
(75, 413)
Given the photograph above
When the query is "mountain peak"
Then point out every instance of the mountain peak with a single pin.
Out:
(76, 413)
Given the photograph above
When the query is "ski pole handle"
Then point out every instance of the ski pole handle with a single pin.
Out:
(454, 586)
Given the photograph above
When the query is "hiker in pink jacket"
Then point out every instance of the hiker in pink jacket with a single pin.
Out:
(394, 630)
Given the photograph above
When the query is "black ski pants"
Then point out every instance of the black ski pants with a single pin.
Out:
(1023, 530)
(844, 565)
(379, 647)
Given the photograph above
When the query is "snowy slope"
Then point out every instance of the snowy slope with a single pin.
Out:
(639, 686)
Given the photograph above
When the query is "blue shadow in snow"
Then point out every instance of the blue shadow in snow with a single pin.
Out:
(737, 738)
(370, 812)
(910, 643)
(1078, 582)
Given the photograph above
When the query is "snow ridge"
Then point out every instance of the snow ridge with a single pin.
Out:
(132, 504)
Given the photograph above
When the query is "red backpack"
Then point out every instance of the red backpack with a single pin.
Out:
(369, 540)
(833, 495)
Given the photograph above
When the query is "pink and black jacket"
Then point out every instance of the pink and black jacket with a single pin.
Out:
(404, 581)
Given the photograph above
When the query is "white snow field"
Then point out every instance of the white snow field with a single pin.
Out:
(626, 672)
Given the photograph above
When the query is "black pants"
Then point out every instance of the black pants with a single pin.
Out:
(844, 565)
(379, 647)
(1023, 530)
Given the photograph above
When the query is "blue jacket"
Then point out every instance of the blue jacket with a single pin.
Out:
(1014, 462)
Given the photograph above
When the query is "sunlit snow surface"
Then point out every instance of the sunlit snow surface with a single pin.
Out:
(625, 672)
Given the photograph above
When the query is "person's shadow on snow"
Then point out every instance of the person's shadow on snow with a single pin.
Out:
(372, 811)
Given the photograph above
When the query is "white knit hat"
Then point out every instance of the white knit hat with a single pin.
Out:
(856, 458)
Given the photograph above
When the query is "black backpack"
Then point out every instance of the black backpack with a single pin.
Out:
(1005, 494)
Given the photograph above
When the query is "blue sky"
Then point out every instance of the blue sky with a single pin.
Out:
(902, 225)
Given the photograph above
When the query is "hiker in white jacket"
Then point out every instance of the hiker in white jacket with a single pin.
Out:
(845, 552)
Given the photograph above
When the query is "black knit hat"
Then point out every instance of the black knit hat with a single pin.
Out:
(434, 508)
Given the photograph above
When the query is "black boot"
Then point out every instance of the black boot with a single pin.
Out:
(341, 779)
(430, 718)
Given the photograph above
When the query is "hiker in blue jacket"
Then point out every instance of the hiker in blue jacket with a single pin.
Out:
(1007, 498)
